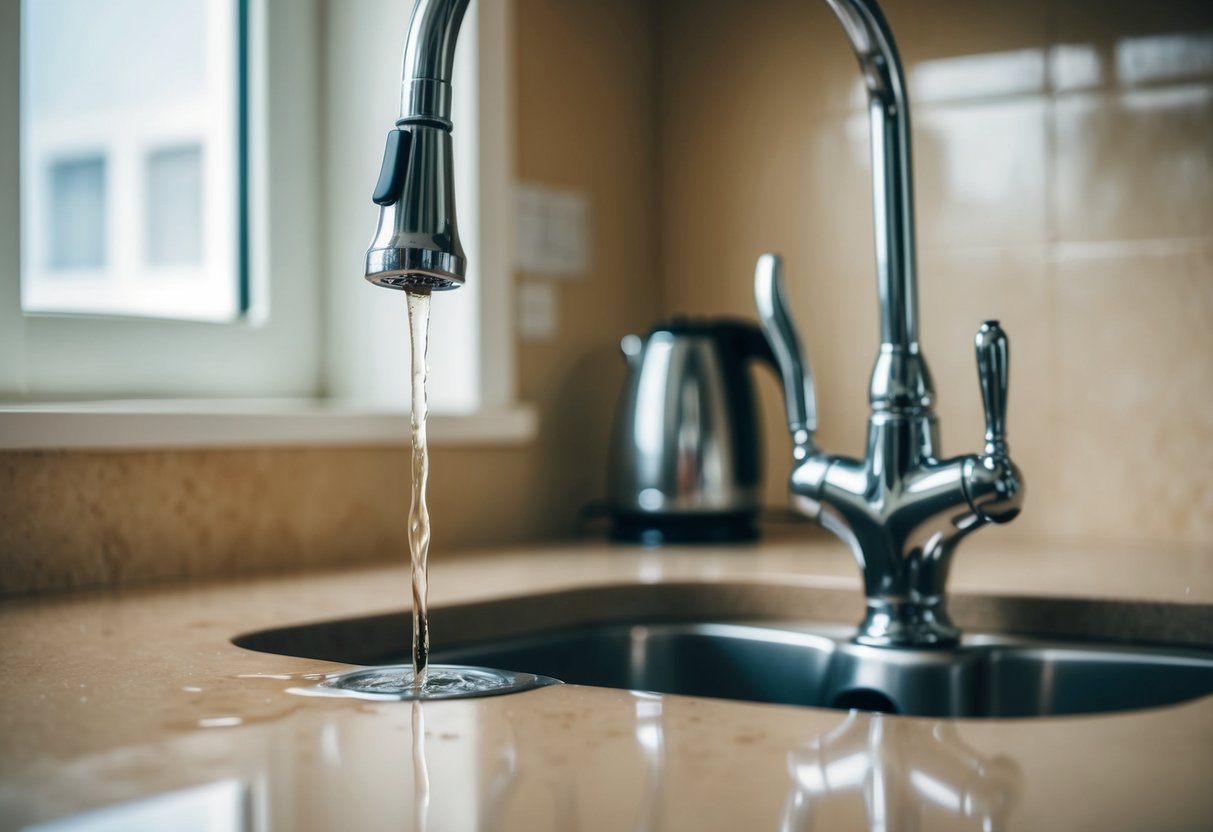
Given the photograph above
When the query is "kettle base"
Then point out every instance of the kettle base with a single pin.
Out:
(663, 529)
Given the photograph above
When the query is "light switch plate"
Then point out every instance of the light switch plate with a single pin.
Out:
(553, 231)
(536, 310)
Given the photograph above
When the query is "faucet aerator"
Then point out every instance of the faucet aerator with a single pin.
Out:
(416, 244)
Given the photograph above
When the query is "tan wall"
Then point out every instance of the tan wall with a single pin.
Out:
(1079, 217)
(584, 120)
(1082, 217)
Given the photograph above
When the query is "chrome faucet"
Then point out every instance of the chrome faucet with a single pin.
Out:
(902, 510)
(416, 243)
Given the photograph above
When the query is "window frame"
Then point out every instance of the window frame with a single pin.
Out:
(290, 259)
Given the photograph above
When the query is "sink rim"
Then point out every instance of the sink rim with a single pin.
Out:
(1080, 620)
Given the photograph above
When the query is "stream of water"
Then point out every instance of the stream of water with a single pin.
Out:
(419, 513)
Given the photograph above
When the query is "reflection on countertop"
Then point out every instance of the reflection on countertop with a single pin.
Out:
(110, 699)
(907, 773)
(904, 774)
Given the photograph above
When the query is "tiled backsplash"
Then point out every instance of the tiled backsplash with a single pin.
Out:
(1064, 164)
(1063, 159)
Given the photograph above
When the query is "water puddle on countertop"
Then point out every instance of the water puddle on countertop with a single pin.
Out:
(235, 701)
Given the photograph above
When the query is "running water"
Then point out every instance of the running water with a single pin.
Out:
(420, 681)
(419, 514)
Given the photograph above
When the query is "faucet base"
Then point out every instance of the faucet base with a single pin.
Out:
(906, 624)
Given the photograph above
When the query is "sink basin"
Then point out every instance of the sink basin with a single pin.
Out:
(815, 664)
(623, 637)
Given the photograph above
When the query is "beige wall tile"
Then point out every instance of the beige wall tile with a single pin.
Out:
(1135, 395)
(1136, 164)
(980, 172)
(586, 120)
(932, 29)
(1014, 182)
(959, 289)
(87, 519)
(78, 519)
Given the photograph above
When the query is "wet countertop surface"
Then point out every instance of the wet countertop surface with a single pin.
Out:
(133, 707)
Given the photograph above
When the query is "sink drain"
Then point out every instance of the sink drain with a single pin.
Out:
(443, 681)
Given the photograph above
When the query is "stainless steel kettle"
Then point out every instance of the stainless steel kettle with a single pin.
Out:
(685, 455)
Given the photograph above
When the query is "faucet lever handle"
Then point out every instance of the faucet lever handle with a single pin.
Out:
(395, 167)
(993, 354)
(798, 393)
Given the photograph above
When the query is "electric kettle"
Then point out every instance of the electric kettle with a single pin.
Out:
(685, 453)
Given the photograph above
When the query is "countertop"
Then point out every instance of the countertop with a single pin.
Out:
(110, 699)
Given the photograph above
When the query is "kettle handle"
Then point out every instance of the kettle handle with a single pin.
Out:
(746, 341)
(798, 390)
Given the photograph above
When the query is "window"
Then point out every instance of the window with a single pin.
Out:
(322, 87)
(130, 164)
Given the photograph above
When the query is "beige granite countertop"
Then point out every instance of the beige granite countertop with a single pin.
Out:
(109, 699)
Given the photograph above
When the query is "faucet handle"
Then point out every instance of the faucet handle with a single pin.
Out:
(993, 354)
(799, 397)
(993, 482)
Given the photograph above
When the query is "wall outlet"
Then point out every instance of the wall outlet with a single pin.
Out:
(553, 231)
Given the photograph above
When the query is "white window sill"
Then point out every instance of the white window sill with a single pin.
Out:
(195, 423)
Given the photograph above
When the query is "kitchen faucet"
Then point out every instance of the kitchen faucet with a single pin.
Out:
(901, 509)
(416, 243)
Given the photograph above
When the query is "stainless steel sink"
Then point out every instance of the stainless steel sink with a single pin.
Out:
(624, 637)
(813, 664)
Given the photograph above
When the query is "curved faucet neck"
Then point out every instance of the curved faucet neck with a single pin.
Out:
(429, 60)
(892, 182)
(901, 508)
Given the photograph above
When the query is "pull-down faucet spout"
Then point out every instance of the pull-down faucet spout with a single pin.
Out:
(416, 243)
(892, 186)
(901, 509)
